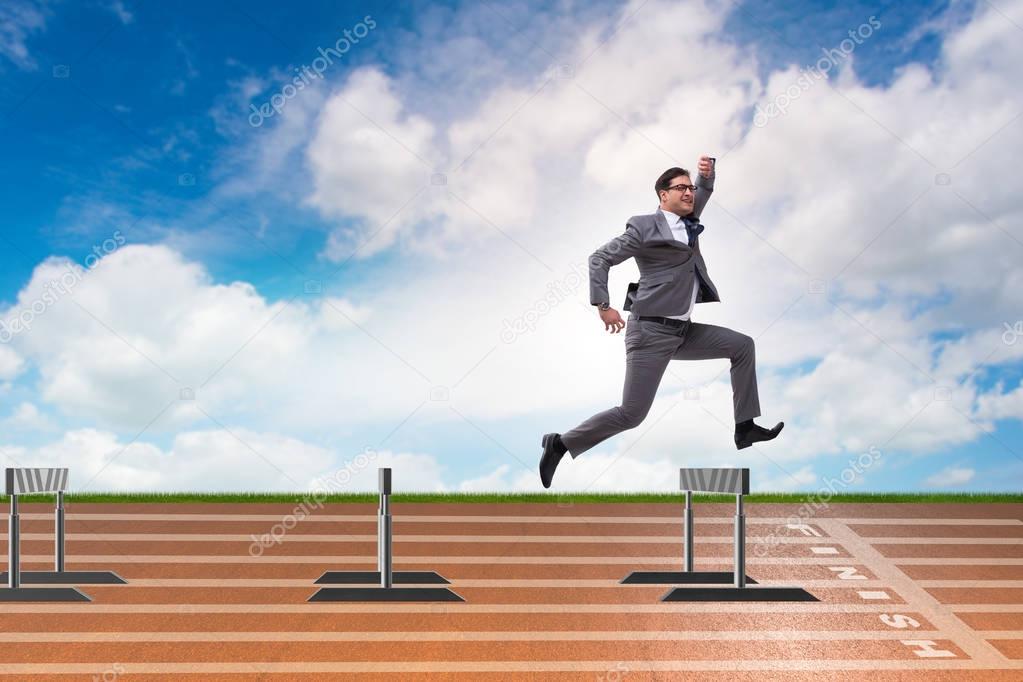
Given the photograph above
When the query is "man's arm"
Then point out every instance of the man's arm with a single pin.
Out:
(619, 249)
(704, 187)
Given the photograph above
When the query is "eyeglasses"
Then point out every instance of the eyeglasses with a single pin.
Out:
(683, 188)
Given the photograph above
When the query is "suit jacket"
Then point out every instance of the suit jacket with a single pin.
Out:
(668, 268)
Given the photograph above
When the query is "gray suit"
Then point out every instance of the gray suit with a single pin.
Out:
(669, 269)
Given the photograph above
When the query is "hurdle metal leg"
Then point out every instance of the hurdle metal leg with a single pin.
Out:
(687, 534)
(58, 534)
(384, 576)
(739, 591)
(15, 592)
(14, 546)
(385, 555)
(740, 544)
(60, 576)
(687, 576)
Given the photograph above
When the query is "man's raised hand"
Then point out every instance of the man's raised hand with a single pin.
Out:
(705, 166)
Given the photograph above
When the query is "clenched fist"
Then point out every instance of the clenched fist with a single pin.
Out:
(706, 166)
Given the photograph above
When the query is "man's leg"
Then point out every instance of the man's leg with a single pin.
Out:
(646, 357)
(707, 342)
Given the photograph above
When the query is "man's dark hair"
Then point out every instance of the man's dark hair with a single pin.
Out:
(664, 182)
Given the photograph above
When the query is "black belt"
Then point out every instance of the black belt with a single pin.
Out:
(670, 321)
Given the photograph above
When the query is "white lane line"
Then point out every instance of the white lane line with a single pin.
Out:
(963, 561)
(510, 583)
(452, 636)
(557, 539)
(916, 597)
(696, 607)
(242, 667)
(930, 521)
(847, 573)
(793, 608)
(873, 595)
(361, 560)
(824, 550)
(836, 582)
(970, 584)
(317, 517)
(927, 648)
(341, 538)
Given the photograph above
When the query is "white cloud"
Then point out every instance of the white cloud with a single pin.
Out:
(122, 13)
(11, 363)
(27, 417)
(365, 121)
(143, 324)
(187, 68)
(999, 404)
(590, 472)
(950, 477)
(19, 19)
(803, 478)
(494, 481)
(234, 459)
(536, 177)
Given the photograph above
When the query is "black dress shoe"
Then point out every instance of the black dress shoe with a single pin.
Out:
(754, 434)
(552, 455)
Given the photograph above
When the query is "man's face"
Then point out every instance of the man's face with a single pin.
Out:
(676, 201)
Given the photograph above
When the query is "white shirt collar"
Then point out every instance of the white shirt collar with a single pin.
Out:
(672, 218)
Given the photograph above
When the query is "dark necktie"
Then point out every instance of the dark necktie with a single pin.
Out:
(693, 229)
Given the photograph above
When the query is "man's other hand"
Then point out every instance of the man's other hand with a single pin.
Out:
(613, 322)
(705, 166)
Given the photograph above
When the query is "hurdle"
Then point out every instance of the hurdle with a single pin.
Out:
(22, 481)
(384, 576)
(733, 481)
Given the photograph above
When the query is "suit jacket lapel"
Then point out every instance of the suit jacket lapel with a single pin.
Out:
(665, 231)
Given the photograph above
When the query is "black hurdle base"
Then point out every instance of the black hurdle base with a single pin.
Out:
(41, 594)
(68, 578)
(373, 578)
(681, 578)
(385, 594)
(762, 593)
(714, 585)
(384, 578)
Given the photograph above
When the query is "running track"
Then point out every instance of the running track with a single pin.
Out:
(908, 592)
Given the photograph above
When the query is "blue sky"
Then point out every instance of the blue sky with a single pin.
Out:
(314, 287)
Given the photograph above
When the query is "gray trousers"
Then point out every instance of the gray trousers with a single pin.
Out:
(649, 346)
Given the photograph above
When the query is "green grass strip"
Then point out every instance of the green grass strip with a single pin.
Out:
(548, 498)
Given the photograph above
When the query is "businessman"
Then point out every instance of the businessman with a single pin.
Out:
(672, 279)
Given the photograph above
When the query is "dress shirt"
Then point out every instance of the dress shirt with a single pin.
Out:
(678, 229)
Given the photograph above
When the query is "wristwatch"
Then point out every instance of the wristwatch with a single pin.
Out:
(603, 306)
